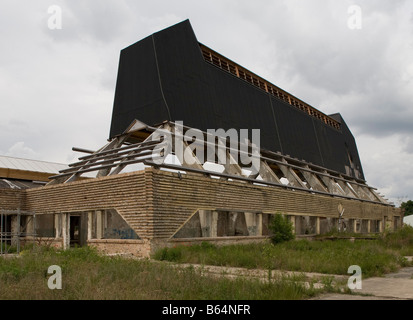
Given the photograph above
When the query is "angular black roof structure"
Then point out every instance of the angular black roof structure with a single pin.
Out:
(171, 76)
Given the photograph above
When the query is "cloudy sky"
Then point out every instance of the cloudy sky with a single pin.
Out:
(57, 85)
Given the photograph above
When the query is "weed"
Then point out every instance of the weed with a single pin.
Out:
(281, 228)
(87, 275)
(375, 257)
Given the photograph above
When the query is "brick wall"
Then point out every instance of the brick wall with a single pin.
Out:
(177, 198)
(138, 248)
(125, 193)
(156, 203)
(11, 199)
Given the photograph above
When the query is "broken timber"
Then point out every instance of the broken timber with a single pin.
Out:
(139, 145)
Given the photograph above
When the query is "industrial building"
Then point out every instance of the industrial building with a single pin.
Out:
(171, 92)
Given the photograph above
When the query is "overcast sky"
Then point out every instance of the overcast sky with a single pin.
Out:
(57, 85)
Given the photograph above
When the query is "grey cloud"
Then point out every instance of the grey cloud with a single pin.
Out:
(381, 116)
(408, 144)
(88, 21)
(64, 80)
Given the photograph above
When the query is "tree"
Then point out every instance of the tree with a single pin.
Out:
(408, 207)
(281, 229)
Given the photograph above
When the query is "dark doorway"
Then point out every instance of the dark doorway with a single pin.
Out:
(75, 231)
(5, 229)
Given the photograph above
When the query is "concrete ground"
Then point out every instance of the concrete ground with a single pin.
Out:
(232, 272)
(394, 286)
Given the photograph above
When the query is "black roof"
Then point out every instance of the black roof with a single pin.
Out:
(166, 77)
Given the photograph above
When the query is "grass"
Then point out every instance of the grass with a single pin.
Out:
(375, 257)
(402, 240)
(86, 275)
(346, 235)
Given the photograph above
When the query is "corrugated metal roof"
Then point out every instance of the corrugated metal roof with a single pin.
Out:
(19, 184)
(30, 165)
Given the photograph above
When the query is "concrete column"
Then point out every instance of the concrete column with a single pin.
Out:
(232, 218)
(205, 217)
(15, 229)
(317, 225)
(252, 223)
(298, 225)
(385, 223)
(259, 224)
(66, 230)
(58, 225)
(84, 228)
(355, 226)
(292, 220)
(214, 224)
(89, 224)
(29, 225)
(312, 224)
(351, 225)
(105, 220)
(99, 225)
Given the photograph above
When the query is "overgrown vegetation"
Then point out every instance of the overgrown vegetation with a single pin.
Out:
(88, 275)
(281, 229)
(335, 234)
(375, 257)
(407, 207)
(401, 241)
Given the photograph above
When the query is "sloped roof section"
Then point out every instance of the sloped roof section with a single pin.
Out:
(27, 169)
(171, 76)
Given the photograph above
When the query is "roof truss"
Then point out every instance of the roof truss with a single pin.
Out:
(144, 144)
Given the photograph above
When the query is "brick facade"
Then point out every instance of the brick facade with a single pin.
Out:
(155, 203)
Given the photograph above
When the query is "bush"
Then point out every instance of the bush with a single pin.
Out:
(168, 254)
(401, 239)
(281, 229)
(407, 207)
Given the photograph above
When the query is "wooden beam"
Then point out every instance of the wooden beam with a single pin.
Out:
(291, 176)
(135, 152)
(313, 181)
(347, 190)
(267, 174)
(76, 149)
(79, 172)
(332, 186)
(380, 198)
(362, 192)
(186, 152)
(114, 153)
(231, 165)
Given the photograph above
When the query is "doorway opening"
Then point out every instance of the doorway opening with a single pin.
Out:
(75, 230)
